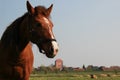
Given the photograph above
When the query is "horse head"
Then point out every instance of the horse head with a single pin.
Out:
(40, 29)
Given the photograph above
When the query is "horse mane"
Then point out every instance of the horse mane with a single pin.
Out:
(11, 34)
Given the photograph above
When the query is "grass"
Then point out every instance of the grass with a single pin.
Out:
(73, 78)
(76, 76)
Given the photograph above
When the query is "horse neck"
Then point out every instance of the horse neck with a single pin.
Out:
(13, 37)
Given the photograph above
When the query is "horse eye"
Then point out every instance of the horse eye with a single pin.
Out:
(38, 25)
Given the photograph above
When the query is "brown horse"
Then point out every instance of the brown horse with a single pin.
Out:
(16, 56)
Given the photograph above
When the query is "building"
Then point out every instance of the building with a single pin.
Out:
(59, 64)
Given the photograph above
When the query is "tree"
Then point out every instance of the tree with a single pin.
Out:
(84, 67)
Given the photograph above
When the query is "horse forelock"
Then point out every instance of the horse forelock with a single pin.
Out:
(41, 10)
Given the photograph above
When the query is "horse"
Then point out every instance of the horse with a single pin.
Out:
(16, 56)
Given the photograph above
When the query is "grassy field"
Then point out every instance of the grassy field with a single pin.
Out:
(73, 78)
(76, 76)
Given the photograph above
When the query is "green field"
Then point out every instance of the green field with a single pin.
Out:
(73, 78)
(76, 76)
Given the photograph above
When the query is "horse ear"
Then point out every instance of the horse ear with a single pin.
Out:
(49, 10)
(30, 8)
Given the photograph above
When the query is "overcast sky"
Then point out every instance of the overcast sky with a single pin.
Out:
(88, 31)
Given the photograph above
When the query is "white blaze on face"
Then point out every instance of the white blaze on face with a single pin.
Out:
(46, 20)
(54, 43)
(48, 25)
(55, 46)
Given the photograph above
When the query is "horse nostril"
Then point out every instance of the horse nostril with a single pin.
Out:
(51, 49)
(56, 50)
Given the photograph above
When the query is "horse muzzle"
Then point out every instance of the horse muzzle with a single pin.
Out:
(51, 50)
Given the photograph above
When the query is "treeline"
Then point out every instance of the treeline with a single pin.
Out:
(45, 69)
(52, 68)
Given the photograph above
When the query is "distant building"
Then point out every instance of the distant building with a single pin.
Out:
(59, 64)
(111, 68)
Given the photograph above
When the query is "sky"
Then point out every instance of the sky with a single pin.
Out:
(88, 31)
